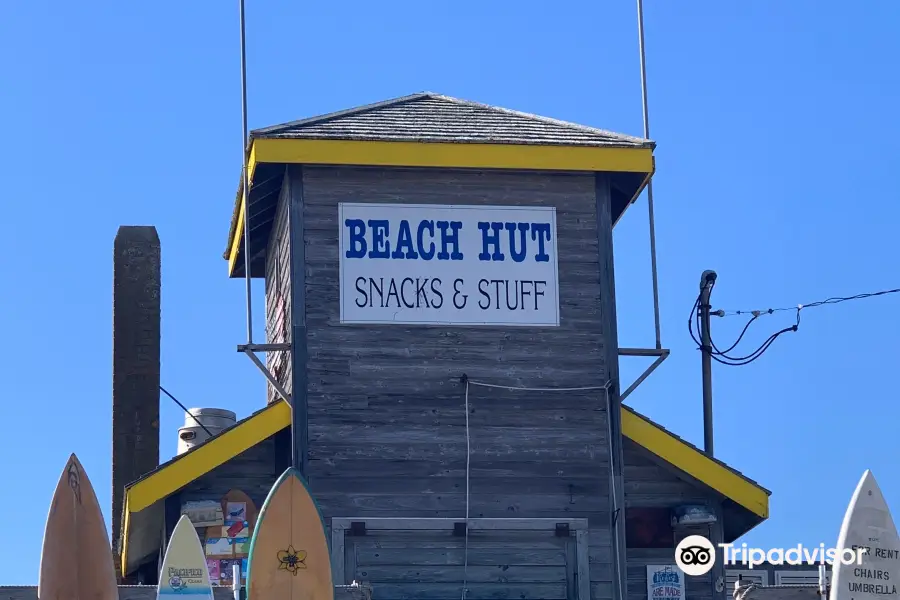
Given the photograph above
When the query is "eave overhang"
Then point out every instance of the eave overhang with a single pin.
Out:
(630, 168)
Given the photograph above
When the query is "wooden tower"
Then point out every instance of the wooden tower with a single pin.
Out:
(440, 302)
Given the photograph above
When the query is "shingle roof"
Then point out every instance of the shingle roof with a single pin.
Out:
(429, 117)
(432, 118)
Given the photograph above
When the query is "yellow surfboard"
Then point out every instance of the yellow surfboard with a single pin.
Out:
(76, 558)
(289, 555)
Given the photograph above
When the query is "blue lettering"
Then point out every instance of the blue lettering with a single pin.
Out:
(517, 255)
(357, 229)
(381, 248)
(488, 239)
(541, 233)
(420, 239)
(404, 240)
(448, 239)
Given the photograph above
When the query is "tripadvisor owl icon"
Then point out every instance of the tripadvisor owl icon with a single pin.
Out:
(695, 555)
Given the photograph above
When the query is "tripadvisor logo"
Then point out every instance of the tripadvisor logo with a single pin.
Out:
(695, 555)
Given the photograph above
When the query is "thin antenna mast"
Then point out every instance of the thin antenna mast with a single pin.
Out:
(640, 10)
(249, 349)
(245, 195)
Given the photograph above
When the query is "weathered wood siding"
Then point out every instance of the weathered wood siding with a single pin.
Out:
(386, 406)
(254, 471)
(496, 564)
(638, 561)
(701, 587)
(278, 291)
(650, 484)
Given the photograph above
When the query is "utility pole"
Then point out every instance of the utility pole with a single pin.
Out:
(707, 281)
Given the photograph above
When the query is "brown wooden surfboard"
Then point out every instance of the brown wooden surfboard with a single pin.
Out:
(238, 508)
(289, 557)
(76, 558)
(239, 497)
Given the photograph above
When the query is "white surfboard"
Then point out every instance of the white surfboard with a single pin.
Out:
(867, 524)
(184, 571)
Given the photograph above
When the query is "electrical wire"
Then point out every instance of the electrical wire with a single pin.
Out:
(465, 588)
(834, 300)
(186, 411)
(723, 357)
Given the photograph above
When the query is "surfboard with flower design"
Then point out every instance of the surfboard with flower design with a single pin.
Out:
(289, 555)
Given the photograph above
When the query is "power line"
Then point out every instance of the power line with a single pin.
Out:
(186, 411)
(723, 357)
(835, 300)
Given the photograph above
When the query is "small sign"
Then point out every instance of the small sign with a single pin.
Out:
(236, 511)
(212, 565)
(218, 546)
(665, 582)
(203, 513)
(444, 264)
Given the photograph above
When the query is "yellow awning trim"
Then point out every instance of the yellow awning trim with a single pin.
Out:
(695, 463)
(437, 155)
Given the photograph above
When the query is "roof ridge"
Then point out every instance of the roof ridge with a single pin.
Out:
(341, 113)
(536, 117)
(316, 120)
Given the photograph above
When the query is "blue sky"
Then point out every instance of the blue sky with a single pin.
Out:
(777, 127)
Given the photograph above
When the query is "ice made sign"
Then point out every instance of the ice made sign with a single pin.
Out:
(448, 265)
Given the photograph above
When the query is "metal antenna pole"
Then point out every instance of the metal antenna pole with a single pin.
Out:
(249, 349)
(245, 195)
(707, 281)
(640, 7)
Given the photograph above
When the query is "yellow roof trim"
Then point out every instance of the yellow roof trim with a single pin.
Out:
(454, 155)
(239, 227)
(206, 457)
(124, 557)
(695, 463)
(438, 155)
(170, 478)
(253, 430)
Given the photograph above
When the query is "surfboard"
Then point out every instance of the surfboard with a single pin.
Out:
(240, 520)
(184, 570)
(868, 524)
(289, 556)
(76, 557)
(233, 502)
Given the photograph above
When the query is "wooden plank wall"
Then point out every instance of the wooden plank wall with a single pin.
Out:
(638, 561)
(386, 407)
(278, 292)
(509, 564)
(649, 484)
(254, 471)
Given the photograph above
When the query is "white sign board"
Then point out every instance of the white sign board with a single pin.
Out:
(867, 525)
(448, 264)
(665, 582)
